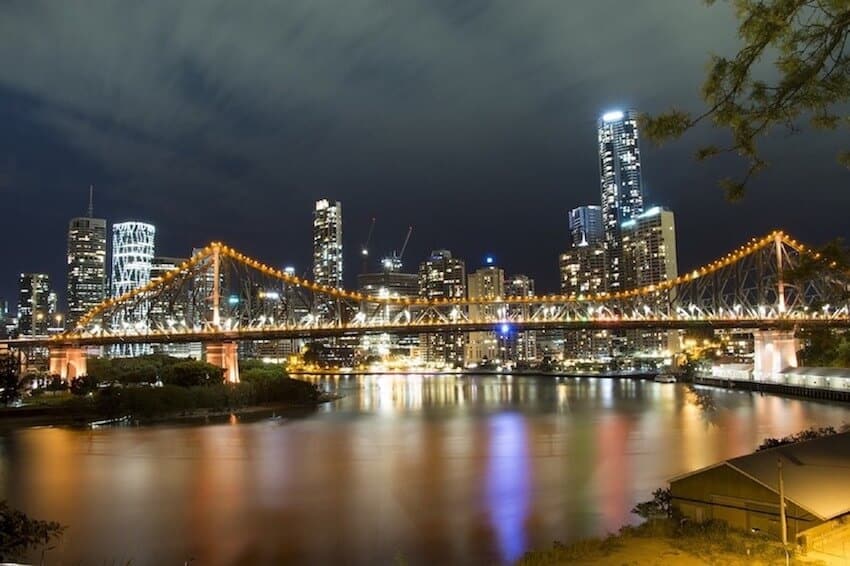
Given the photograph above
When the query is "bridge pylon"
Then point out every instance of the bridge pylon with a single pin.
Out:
(226, 356)
(68, 362)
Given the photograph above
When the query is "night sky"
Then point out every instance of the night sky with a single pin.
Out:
(472, 121)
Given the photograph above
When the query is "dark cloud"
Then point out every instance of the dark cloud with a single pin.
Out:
(473, 121)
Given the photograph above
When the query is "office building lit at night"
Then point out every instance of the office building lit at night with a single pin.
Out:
(620, 183)
(132, 260)
(86, 267)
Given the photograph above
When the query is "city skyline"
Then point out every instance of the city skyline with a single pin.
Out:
(513, 142)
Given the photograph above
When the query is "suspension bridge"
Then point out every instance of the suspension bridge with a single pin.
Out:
(773, 285)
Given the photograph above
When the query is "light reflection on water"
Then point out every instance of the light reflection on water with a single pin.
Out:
(429, 469)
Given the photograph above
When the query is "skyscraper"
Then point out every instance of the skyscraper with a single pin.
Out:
(327, 250)
(649, 258)
(132, 256)
(486, 283)
(586, 225)
(442, 276)
(620, 183)
(86, 265)
(33, 304)
(520, 347)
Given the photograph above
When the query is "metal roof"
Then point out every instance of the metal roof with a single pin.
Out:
(816, 473)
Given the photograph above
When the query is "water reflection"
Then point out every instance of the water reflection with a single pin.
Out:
(429, 469)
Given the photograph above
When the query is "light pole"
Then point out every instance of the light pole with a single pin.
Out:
(782, 520)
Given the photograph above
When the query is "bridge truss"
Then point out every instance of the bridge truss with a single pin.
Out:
(222, 293)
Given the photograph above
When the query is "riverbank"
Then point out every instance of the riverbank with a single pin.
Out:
(786, 390)
(481, 372)
(662, 541)
(145, 405)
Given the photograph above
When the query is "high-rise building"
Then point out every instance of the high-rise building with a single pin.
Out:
(620, 183)
(583, 270)
(442, 276)
(519, 346)
(34, 304)
(86, 265)
(173, 310)
(132, 257)
(649, 258)
(586, 225)
(649, 248)
(486, 283)
(327, 251)
(389, 283)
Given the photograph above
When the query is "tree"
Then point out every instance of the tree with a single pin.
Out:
(661, 505)
(83, 385)
(189, 373)
(807, 42)
(808, 434)
(10, 381)
(19, 533)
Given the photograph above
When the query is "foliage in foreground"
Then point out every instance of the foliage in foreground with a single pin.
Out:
(712, 538)
(19, 533)
(806, 42)
(808, 434)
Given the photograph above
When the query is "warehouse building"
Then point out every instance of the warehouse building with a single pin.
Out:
(744, 491)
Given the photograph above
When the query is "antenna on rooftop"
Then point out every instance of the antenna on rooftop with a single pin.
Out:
(91, 201)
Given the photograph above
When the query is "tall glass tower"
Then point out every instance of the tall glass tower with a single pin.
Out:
(86, 265)
(620, 181)
(586, 225)
(327, 248)
(132, 256)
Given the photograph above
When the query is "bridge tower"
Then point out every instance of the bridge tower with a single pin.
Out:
(773, 351)
(68, 362)
(224, 354)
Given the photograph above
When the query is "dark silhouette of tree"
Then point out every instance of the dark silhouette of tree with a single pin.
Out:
(19, 533)
(10, 380)
(807, 43)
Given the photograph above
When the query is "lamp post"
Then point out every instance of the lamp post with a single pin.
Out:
(782, 520)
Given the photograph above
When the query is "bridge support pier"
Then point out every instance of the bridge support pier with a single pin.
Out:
(226, 356)
(773, 351)
(68, 362)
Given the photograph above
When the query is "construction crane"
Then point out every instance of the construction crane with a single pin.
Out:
(364, 251)
(393, 261)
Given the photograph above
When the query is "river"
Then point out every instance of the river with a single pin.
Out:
(403, 469)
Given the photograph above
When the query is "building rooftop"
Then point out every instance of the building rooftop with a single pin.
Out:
(816, 473)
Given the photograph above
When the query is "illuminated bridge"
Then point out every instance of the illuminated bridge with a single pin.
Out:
(773, 285)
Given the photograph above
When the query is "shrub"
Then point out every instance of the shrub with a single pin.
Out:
(19, 533)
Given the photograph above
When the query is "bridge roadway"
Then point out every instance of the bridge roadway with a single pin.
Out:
(269, 332)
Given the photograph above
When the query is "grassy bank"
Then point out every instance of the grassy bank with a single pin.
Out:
(665, 541)
(159, 387)
(169, 401)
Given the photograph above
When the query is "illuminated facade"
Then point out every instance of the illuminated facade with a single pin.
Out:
(519, 347)
(327, 250)
(583, 269)
(586, 225)
(176, 309)
(486, 283)
(620, 183)
(389, 283)
(442, 276)
(86, 266)
(34, 304)
(132, 259)
(649, 257)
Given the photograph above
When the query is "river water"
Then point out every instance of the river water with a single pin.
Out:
(403, 469)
